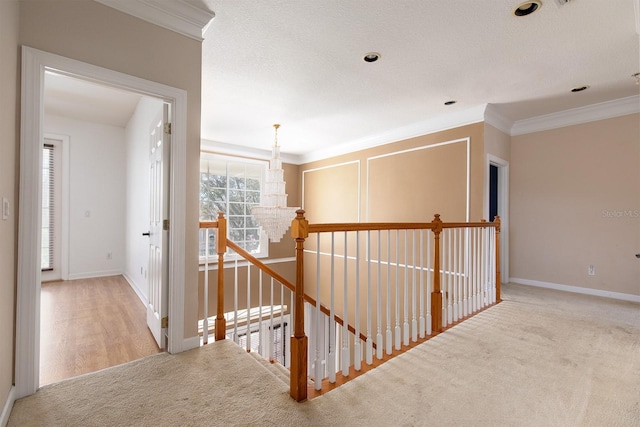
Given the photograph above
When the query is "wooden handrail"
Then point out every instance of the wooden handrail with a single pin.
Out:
(369, 226)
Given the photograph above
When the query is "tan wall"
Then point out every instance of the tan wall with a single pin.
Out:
(497, 142)
(9, 83)
(410, 180)
(575, 201)
(93, 33)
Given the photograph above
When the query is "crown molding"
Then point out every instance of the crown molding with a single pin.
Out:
(187, 17)
(497, 120)
(436, 124)
(242, 151)
(576, 116)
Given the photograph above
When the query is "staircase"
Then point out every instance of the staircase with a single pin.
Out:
(364, 293)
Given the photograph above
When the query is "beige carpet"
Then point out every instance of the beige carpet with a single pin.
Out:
(540, 358)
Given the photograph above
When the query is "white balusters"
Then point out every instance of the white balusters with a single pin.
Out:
(398, 330)
(369, 343)
(331, 347)
(318, 374)
(405, 325)
(345, 311)
(357, 342)
(248, 341)
(205, 293)
(389, 335)
(235, 302)
(421, 319)
(414, 318)
(379, 343)
(429, 273)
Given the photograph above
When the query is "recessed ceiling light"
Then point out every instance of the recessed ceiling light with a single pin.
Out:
(580, 88)
(371, 57)
(450, 102)
(527, 8)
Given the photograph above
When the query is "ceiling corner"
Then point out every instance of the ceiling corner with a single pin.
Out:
(187, 17)
(497, 120)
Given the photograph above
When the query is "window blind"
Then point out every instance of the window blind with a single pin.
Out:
(48, 205)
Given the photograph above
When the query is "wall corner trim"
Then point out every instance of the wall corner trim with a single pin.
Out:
(190, 343)
(577, 289)
(8, 405)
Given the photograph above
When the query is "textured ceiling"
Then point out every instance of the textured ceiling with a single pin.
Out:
(299, 63)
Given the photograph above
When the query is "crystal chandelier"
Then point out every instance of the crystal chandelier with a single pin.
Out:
(273, 215)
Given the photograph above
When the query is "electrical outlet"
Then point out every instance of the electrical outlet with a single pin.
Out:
(592, 270)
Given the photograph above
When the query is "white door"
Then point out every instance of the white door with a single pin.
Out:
(157, 306)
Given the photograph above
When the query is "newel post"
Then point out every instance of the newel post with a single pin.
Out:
(436, 294)
(299, 341)
(496, 220)
(221, 248)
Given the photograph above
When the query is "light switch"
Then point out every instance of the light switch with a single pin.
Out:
(5, 209)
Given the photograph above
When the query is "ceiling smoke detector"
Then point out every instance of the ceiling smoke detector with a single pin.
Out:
(527, 8)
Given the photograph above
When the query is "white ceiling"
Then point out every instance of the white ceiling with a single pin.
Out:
(299, 63)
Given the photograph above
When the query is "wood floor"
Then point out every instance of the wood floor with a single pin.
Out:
(90, 324)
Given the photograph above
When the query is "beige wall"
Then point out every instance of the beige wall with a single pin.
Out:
(575, 201)
(91, 32)
(9, 54)
(496, 142)
(409, 180)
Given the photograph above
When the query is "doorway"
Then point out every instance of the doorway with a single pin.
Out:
(91, 228)
(34, 65)
(497, 203)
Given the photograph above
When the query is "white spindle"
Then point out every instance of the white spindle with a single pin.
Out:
(369, 343)
(357, 344)
(414, 318)
(398, 330)
(235, 302)
(405, 325)
(248, 342)
(421, 325)
(450, 279)
(443, 275)
(205, 293)
(456, 277)
(345, 310)
(379, 343)
(467, 281)
(389, 335)
(271, 331)
(260, 337)
(331, 347)
(429, 284)
(318, 360)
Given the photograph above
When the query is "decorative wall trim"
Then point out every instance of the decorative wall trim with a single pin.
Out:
(191, 343)
(577, 289)
(467, 140)
(576, 116)
(189, 18)
(8, 406)
(335, 166)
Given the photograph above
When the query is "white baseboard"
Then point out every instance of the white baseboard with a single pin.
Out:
(91, 274)
(190, 343)
(8, 405)
(135, 288)
(577, 289)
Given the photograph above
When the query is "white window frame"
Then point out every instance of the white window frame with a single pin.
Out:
(264, 240)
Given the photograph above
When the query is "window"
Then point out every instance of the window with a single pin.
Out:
(232, 186)
(48, 207)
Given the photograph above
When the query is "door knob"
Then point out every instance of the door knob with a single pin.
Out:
(148, 233)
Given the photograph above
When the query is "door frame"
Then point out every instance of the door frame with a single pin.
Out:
(503, 208)
(34, 64)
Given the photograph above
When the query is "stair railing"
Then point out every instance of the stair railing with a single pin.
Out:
(393, 276)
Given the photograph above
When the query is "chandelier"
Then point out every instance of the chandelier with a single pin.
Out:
(273, 215)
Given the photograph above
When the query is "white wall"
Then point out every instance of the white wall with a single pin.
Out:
(137, 207)
(97, 190)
